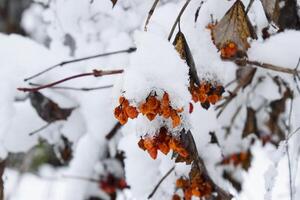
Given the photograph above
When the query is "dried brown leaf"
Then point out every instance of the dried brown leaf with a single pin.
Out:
(47, 109)
(184, 51)
(251, 123)
(235, 29)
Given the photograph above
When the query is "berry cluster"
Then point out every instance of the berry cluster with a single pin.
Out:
(229, 50)
(111, 184)
(125, 111)
(150, 108)
(242, 158)
(206, 93)
(196, 186)
(163, 142)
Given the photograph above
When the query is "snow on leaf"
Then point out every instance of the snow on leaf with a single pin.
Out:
(231, 34)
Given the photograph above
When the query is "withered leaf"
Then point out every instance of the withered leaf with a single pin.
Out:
(64, 150)
(213, 138)
(114, 2)
(251, 123)
(244, 75)
(184, 51)
(284, 13)
(235, 182)
(234, 28)
(47, 109)
(277, 108)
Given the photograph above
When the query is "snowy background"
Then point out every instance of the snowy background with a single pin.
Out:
(59, 30)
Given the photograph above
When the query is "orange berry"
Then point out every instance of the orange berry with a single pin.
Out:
(141, 144)
(166, 112)
(152, 152)
(153, 102)
(123, 118)
(165, 100)
(176, 197)
(144, 108)
(202, 97)
(213, 98)
(131, 112)
(150, 116)
(148, 143)
(121, 99)
(164, 148)
(117, 111)
(196, 192)
(182, 152)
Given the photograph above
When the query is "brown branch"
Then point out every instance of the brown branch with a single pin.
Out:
(150, 13)
(129, 50)
(159, 182)
(95, 73)
(243, 62)
(249, 6)
(113, 131)
(40, 129)
(84, 89)
(178, 18)
(2, 167)
(221, 194)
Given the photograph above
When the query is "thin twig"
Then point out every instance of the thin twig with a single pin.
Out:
(287, 151)
(249, 6)
(129, 50)
(150, 13)
(84, 89)
(96, 73)
(39, 129)
(159, 182)
(198, 10)
(113, 131)
(178, 18)
(267, 66)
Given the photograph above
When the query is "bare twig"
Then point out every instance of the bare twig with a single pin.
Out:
(113, 131)
(150, 13)
(249, 6)
(39, 129)
(268, 66)
(287, 151)
(178, 18)
(159, 182)
(2, 167)
(129, 50)
(96, 73)
(84, 89)
(198, 10)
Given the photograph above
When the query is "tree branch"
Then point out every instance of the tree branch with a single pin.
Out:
(178, 18)
(243, 62)
(96, 73)
(222, 194)
(84, 89)
(129, 50)
(159, 182)
(150, 13)
(113, 131)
